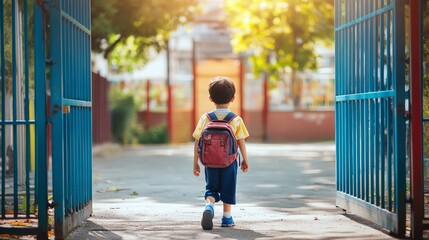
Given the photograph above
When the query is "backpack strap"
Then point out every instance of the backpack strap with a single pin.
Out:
(229, 117)
(212, 116)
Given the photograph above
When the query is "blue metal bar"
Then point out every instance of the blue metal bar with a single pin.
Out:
(366, 107)
(383, 154)
(348, 110)
(27, 111)
(3, 111)
(359, 80)
(377, 83)
(389, 114)
(366, 152)
(74, 158)
(378, 144)
(348, 24)
(40, 115)
(14, 113)
(359, 61)
(382, 115)
(338, 134)
(81, 120)
(389, 157)
(75, 22)
(358, 131)
(74, 153)
(371, 83)
(58, 165)
(89, 139)
(79, 156)
(353, 103)
(399, 103)
(17, 122)
(372, 145)
(66, 67)
(339, 112)
(68, 168)
(365, 96)
(77, 103)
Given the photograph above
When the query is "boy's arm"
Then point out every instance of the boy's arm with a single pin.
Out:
(243, 150)
(196, 165)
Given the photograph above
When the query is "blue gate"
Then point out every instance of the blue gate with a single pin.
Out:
(26, 63)
(23, 161)
(370, 114)
(70, 85)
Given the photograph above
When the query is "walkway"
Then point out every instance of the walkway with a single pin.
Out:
(149, 192)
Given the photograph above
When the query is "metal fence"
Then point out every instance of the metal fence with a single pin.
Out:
(18, 178)
(370, 117)
(71, 112)
(27, 61)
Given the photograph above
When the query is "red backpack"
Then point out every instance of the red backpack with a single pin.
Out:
(217, 146)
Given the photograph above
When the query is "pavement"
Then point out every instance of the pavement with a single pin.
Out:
(149, 192)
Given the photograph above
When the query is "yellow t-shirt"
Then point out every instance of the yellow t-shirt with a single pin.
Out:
(236, 124)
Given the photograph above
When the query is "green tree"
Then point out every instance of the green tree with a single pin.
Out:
(126, 30)
(280, 34)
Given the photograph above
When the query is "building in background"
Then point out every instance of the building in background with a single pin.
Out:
(175, 86)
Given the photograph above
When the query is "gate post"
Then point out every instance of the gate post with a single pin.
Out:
(399, 119)
(417, 204)
(40, 115)
(56, 83)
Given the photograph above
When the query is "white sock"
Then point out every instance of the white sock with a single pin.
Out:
(227, 214)
(210, 203)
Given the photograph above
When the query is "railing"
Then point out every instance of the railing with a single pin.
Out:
(370, 117)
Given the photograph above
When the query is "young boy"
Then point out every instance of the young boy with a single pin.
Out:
(221, 182)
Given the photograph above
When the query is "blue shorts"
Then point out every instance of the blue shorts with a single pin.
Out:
(221, 183)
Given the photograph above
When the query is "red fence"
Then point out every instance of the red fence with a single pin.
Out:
(101, 125)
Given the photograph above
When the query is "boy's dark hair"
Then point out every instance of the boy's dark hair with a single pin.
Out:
(221, 90)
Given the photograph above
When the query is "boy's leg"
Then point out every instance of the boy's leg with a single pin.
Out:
(211, 196)
(227, 207)
(210, 199)
(228, 187)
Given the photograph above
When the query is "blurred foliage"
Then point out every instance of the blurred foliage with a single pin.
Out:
(124, 115)
(280, 34)
(125, 129)
(158, 134)
(286, 30)
(126, 30)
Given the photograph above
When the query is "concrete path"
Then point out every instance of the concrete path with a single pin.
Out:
(149, 192)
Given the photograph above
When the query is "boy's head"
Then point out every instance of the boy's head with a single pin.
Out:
(221, 90)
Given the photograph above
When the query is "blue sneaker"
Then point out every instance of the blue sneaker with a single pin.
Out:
(227, 222)
(207, 220)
